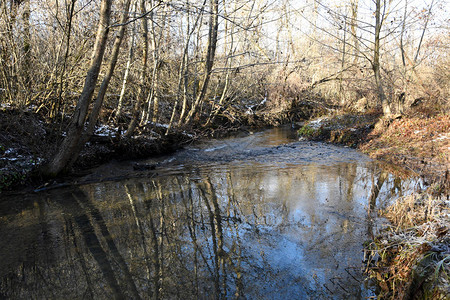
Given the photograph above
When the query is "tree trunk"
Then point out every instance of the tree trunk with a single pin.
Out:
(104, 86)
(183, 73)
(353, 28)
(57, 103)
(344, 48)
(186, 96)
(376, 62)
(69, 146)
(127, 70)
(212, 43)
(26, 51)
(141, 92)
(228, 62)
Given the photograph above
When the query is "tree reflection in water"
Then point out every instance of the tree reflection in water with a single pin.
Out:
(238, 231)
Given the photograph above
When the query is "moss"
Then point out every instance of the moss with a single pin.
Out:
(309, 132)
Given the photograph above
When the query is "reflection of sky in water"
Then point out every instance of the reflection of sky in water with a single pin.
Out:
(292, 221)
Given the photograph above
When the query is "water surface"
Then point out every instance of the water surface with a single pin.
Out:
(260, 216)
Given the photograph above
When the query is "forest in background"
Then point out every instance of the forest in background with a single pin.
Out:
(137, 64)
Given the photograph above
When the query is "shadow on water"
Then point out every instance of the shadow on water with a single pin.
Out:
(258, 217)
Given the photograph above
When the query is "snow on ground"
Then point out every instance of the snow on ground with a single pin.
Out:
(158, 125)
(105, 130)
(316, 123)
(12, 157)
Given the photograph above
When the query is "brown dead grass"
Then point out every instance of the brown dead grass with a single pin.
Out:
(414, 251)
(422, 144)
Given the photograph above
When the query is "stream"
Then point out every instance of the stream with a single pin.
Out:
(255, 216)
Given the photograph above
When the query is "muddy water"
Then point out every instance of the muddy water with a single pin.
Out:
(260, 216)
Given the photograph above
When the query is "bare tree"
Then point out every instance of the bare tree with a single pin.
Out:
(71, 142)
(143, 74)
(127, 68)
(376, 60)
(211, 52)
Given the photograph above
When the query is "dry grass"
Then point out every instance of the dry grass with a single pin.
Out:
(415, 250)
(421, 143)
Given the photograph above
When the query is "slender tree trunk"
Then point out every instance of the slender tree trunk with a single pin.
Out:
(186, 96)
(211, 52)
(104, 86)
(5, 51)
(155, 73)
(182, 75)
(220, 105)
(70, 143)
(141, 93)
(127, 70)
(57, 103)
(376, 62)
(228, 62)
(185, 91)
(423, 33)
(402, 46)
(353, 28)
(344, 48)
(157, 70)
(26, 51)
(180, 82)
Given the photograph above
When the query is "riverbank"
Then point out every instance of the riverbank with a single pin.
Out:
(27, 140)
(417, 143)
(410, 259)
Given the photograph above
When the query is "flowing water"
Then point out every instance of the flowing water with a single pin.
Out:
(257, 216)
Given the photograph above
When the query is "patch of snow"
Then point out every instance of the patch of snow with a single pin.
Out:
(9, 151)
(32, 107)
(105, 130)
(250, 109)
(316, 123)
(188, 134)
(154, 133)
(159, 125)
(11, 155)
(169, 160)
